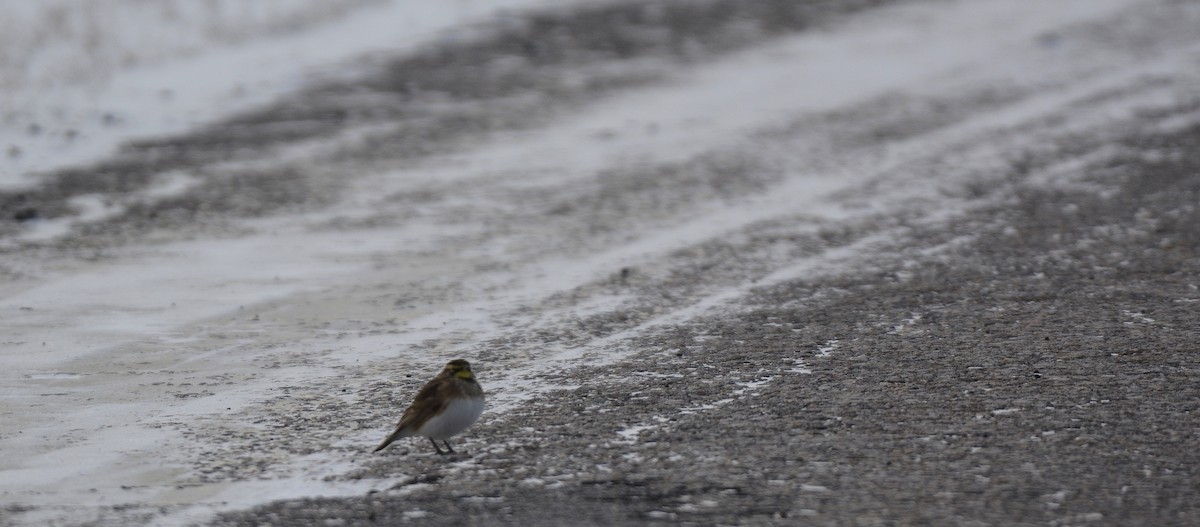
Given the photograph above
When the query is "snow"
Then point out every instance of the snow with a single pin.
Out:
(188, 309)
(828, 348)
(631, 434)
(152, 72)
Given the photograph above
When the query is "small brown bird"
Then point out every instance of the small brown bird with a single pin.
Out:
(447, 405)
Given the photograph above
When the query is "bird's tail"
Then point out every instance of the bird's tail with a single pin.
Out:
(399, 433)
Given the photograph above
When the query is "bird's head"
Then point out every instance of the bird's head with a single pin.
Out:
(459, 368)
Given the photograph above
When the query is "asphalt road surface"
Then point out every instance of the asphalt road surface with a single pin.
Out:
(716, 263)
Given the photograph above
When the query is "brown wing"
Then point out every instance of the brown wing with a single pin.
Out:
(430, 401)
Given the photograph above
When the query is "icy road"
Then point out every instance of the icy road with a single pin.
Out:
(727, 262)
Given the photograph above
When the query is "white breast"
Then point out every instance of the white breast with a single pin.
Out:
(459, 414)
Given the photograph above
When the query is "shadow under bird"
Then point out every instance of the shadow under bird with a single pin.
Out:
(445, 406)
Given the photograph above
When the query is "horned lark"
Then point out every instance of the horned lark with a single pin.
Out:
(447, 405)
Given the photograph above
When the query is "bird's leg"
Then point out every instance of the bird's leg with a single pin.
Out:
(447, 443)
(436, 447)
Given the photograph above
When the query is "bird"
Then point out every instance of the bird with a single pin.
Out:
(445, 406)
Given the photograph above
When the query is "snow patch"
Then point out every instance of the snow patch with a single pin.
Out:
(630, 435)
